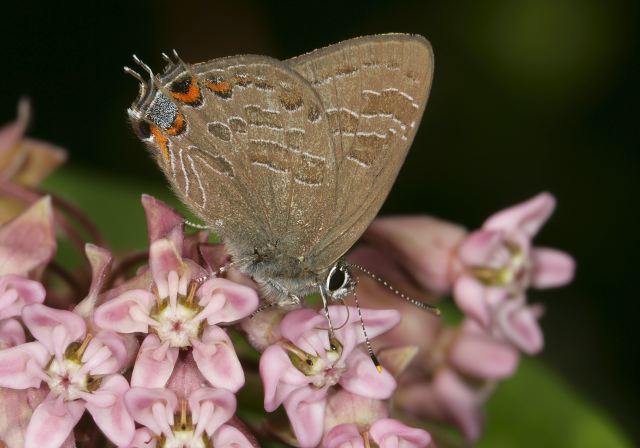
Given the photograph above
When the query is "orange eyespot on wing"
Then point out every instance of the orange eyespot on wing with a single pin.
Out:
(220, 87)
(187, 91)
(178, 126)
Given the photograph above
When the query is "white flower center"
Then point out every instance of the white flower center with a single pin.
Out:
(66, 378)
(514, 274)
(186, 439)
(178, 322)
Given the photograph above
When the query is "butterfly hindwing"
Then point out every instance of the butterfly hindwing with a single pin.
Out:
(374, 90)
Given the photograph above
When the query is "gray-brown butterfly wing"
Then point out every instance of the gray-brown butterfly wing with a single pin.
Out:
(256, 160)
(374, 90)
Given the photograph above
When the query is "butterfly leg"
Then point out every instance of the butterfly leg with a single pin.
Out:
(283, 297)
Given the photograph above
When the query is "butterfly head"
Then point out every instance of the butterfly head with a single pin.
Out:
(339, 282)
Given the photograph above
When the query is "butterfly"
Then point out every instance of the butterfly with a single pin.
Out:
(288, 161)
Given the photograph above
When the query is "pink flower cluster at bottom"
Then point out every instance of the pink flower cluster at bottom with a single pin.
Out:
(157, 356)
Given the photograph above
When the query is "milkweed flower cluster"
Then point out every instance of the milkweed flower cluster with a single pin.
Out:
(165, 349)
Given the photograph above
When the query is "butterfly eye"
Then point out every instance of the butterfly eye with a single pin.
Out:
(337, 279)
(339, 282)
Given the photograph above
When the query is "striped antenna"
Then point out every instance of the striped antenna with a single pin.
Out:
(417, 303)
(366, 337)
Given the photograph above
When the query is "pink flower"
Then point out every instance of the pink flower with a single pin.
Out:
(354, 421)
(27, 242)
(412, 250)
(15, 293)
(24, 162)
(79, 370)
(498, 265)
(201, 420)
(385, 433)
(178, 313)
(459, 374)
(298, 371)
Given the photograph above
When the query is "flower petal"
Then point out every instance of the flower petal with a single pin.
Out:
(477, 354)
(214, 255)
(527, 216)
(100, 260)
(11, 333)
(362, 378)
(305, 409)
(21, 366)
(164, 258)
(28, 241)
(16, 292)
(462, 403)
(12, 133)
(484, 248)
(210, 409)
(52, 422)
(345, 407)
(127, 313)
(114, 421)
(143, 438)
(346, 435)
(55, 329)
(217, 360)
(228, 301)
(469, 294)
(520, 326)
(422, 246)
(161, 219)
(153, 408)
(16, 408)
(154, 363)
(551, 268)
(279, 377)
(117, 356)
(230, 437)
(390, 433)
(307, 329)
(375, 321)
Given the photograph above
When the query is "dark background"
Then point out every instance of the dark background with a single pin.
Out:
(528, 95)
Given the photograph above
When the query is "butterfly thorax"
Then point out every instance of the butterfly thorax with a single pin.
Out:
(282, 278)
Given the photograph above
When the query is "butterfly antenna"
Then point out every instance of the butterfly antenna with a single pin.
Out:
(366, 337)
(417, 303)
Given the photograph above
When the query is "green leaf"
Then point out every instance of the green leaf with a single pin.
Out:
(111, 202)
(537, 408)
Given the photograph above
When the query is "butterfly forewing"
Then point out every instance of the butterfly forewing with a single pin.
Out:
(257, 160)
(374, 90)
